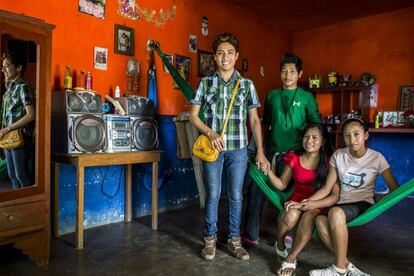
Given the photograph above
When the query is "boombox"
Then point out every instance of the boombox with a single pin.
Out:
(118, 133)
(77, 122)
(137, 106)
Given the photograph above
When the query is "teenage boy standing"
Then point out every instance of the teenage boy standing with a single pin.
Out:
(213, 97)
(287, 111)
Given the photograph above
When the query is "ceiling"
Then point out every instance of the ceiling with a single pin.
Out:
(300, 15)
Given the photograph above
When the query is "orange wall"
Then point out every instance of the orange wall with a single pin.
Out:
(382, 44)
(77, 33)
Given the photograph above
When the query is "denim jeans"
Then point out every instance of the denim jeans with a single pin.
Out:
(18, 167)
(236, 165)
(255, 203)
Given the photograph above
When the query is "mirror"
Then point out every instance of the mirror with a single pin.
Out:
(19, 83)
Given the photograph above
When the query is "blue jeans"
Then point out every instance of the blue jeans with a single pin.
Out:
(236, 165)
(255, 203)
(18, 167)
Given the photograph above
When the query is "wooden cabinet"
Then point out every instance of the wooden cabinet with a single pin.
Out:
(25, 212)
(345, 99)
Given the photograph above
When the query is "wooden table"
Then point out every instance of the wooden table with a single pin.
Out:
(104, 159)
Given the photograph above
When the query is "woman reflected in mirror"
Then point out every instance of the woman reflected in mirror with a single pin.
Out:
(18, 112)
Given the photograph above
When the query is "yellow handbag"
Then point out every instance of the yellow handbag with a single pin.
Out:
(12, 140)
(202, 147)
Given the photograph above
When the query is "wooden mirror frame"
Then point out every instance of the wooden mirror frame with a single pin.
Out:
(25, 213)
(31, 29)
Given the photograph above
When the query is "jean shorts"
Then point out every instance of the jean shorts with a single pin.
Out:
(351, 210)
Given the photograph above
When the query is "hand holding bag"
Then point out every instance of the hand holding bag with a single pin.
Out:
(12, 140)
(202, 147)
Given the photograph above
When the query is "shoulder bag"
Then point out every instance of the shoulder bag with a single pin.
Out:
(202, 147)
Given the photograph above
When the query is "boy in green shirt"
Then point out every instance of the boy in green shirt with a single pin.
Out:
(287, 111)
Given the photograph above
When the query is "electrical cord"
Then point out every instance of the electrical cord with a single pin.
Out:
(103, 175)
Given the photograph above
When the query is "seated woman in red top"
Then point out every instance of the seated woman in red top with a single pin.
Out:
(309, 169)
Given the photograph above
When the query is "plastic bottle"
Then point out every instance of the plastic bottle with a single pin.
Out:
(377, 125)
(88, 81)
(67, 81)
(117, 92)
(81, 82)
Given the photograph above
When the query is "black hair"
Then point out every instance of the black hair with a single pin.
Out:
(17, 59)
(291, 58)
(226, 37)
(325, 153)
(355, 119)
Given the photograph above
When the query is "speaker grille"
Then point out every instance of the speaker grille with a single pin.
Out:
(89, 133)
(145, 134)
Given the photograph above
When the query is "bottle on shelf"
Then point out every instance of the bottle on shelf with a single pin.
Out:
(117, 92)
(88, 81)
(81, 80)
(67, 81)
(377, 120)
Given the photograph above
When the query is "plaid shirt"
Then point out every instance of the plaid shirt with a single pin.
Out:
(18, 95)
(214, 96)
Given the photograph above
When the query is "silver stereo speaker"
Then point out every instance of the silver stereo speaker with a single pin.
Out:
(137, 106)
(83, 102)
(77, 122)
(85, 133)
(144, 133)
(118, 133)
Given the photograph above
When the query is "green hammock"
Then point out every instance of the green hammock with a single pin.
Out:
(279, 197)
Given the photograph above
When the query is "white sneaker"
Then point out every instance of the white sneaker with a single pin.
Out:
(329, 271)
(352, 270)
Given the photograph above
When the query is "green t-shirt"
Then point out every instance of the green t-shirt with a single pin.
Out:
(287, 112)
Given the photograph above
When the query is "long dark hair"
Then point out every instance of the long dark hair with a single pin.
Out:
(325, 153)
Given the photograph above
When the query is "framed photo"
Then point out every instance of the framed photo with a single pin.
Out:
(100, 58)
(124, 40)
(183, 66)
(206, 63)
(192, 43)
(406, 101)
(245, 65)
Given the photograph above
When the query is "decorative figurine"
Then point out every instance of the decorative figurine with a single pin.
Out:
(315, 81)
(368, 78)
(345, 79)
(332, 79)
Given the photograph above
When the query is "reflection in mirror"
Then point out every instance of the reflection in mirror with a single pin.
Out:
(19, 76)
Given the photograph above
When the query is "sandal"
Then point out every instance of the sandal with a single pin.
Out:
(285, 266)
(281, 254)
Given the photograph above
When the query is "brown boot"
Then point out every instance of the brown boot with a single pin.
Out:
(209, 250)
(236, 248)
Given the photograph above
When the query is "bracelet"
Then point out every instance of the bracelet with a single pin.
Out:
(208, 133)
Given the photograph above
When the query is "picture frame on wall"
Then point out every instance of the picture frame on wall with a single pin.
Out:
(183, 66)
(124, 40)
(206, 63)
(406, 100)
(245, 65)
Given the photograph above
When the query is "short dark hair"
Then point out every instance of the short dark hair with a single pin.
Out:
(349, 120)
(291, 58)
(16, 59)
(226, 37)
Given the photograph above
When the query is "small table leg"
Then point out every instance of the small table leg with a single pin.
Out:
(154, 214)
(79, 209)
